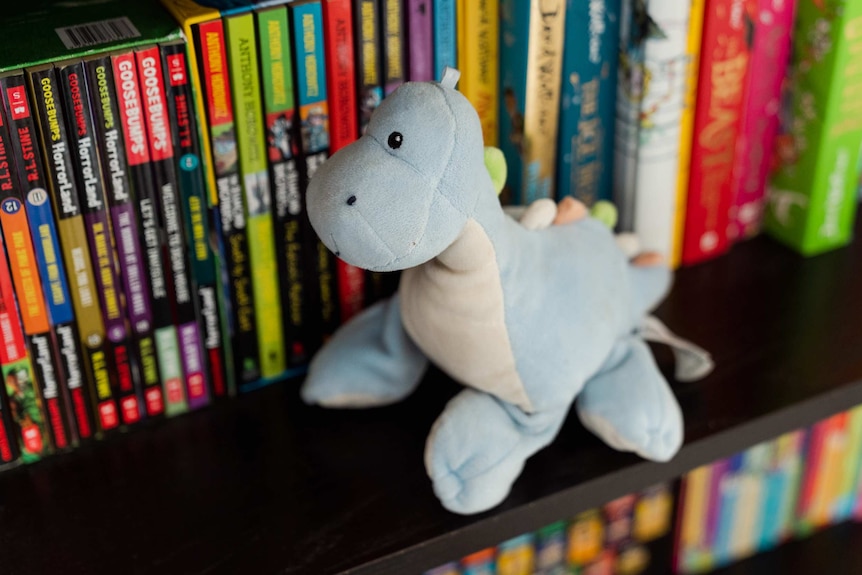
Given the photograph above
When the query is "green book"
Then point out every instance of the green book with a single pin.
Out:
(254, 177)
(812, 195)
(41, 31)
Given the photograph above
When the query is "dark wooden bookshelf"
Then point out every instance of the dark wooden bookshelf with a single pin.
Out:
(264, 484)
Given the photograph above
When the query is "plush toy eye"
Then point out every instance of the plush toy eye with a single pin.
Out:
(395, 140)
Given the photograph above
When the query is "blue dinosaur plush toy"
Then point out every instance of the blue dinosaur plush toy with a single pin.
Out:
(529, 320)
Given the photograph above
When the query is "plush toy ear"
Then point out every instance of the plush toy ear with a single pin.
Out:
(450, 77)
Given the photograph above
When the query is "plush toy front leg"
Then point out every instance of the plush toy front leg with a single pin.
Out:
(630, 405)
(370, 361)
(478, 446)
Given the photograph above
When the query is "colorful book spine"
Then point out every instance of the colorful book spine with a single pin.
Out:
(478, 61)
(143, 190)
(686, 126)
(192, 190)
(662, 104)
(180, 289)
(444, 13)
(770, 54)
(281, 137)
(479, 563)
(341, 89)
(95, 388)
(420, 32)
(245, 89)
(587, 100)
(26, 409)
(91, 198)
(39, 279)
(531, 62)
(393, 46)
(130, 255)
(517, 555)
(310, 85)
(722, 76)
(812, 193)
(843, 506)
(210, 42)
(369, 65)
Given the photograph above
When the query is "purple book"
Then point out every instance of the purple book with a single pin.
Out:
(420, 38)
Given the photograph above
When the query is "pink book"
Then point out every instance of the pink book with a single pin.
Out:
(772, 24)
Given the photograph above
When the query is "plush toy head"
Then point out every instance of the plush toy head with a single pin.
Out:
(402, 193)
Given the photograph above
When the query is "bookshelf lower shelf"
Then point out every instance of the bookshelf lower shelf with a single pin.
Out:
(265, 485)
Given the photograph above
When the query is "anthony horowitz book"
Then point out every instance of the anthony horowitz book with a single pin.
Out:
(62, 186)
(282, 137)
(812, 193)
(723, 71)
(393, 49)
(772, 23)
(38, 272)
(445, 36)
(37, 406)
(343, 129)
(531, 61)
(230, 220)
(369, 75)
(143, 190)
(180, 286)
(194, 208)
(120, 198)
(420, 40)
(310, 84)
(91, 197)
(254, 178)
(588, 100)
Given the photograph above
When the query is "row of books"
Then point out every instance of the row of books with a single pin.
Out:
(774, 491)
(685, 114)
(614, 539)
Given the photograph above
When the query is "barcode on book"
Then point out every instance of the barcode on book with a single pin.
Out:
(95, 33)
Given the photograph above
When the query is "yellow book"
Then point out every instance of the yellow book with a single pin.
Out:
(695, 31)
(478, 61)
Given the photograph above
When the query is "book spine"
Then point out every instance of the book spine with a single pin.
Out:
(210, 41)
(445, 43)
(851, 466)
(186, 317)
(542, 104)
(722, 76)
(813, 190)
(770, 53)
(245, 88)
(143, 190)
(282, 135)
(368, 59)
(514, 63)
(310, 85)
(92, 339)
(91, 198)
(194, 204)
(420, 33)
(393, 48)
(130, 256)
(662, 103)
(341, 88)
(686, 126)
(28, 413)
(478, 49)
(587, 100)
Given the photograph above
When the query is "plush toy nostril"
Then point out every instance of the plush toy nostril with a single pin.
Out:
(351, 200)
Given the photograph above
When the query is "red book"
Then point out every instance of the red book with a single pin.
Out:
(341, 93)
(724, 67)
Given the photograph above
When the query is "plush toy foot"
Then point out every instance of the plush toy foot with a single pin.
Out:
(630, 405)
(478, 446)
(370, 361)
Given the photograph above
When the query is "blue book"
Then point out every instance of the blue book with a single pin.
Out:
(728, 494)
(514, 44)
(445, 36)
(774, 491)
(588, 100)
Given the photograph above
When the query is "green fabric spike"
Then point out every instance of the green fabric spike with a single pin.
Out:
(495, 163)
(605, 212)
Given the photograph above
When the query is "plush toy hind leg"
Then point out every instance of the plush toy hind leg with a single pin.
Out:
(370, 361)
(630, 405)
(478, 447)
